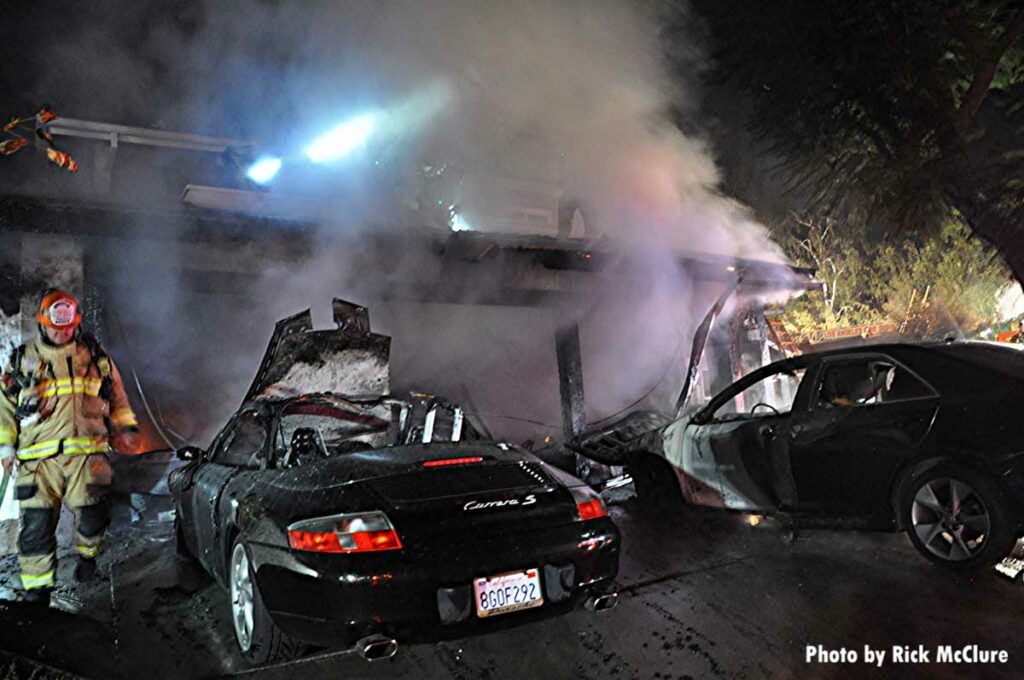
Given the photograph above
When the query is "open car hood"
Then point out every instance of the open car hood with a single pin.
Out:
(348, 359)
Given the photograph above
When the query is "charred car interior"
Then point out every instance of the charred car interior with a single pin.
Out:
(311, 427)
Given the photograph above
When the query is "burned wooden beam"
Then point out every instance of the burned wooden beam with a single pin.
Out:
(570, 380)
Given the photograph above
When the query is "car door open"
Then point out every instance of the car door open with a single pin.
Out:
(739, 437)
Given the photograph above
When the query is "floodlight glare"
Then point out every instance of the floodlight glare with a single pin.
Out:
(342, 140)
(263, 170)
(459, 223)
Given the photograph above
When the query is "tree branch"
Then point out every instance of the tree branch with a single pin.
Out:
(985, 71)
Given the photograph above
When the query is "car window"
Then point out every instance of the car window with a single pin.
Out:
(246, 439)
(867, 380)
(771, 395)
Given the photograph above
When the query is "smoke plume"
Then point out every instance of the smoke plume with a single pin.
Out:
(576, 94)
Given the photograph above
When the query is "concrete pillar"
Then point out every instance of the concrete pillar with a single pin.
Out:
(47, 261)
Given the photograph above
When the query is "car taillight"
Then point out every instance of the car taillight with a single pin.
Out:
(466, 460)
(588, 504)
(356, 532)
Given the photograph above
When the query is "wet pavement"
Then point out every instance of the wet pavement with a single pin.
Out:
(704, 595)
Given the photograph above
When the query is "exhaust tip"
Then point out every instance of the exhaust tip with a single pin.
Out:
(600, 603)
(376, 647)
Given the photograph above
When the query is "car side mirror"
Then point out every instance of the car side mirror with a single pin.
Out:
(189, 453)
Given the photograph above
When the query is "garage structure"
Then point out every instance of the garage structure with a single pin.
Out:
(184, 293)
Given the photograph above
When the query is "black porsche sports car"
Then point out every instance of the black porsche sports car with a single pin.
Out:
(364, 520)
(923, 438)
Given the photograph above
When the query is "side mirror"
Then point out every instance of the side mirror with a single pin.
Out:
(189, 453)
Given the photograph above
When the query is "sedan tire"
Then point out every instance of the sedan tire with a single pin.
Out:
(259, 640)
(957, 517)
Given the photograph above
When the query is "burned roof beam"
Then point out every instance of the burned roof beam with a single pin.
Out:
(125, 134)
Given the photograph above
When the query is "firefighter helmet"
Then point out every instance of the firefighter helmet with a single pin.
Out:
(58, 309)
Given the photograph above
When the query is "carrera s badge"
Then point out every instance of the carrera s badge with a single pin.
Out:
(504, 503)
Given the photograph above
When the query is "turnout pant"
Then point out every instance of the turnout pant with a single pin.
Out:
(82, 483)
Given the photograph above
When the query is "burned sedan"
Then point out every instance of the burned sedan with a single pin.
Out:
(363, 521)
(922, 438)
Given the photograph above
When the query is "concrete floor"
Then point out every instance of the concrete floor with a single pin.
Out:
(704, 595)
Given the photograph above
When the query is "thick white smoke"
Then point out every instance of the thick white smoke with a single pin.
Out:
(576, 93)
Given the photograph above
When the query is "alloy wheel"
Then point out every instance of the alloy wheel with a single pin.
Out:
(241, 597)
(950, 519)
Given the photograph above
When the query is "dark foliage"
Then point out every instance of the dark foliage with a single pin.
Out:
(893, 111)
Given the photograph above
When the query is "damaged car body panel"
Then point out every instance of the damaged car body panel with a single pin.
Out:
(360, 516)
(745, 450)
(922, 438)
(700, 340)
(346, 360)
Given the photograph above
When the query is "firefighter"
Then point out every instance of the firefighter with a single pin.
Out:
(60, 400)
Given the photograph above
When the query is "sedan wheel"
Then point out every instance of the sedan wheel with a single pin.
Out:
(951, 519)
(957, 517)
(241, 597)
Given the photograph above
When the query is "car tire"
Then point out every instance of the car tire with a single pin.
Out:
(957, 517)
(657, 487)
(259, 639)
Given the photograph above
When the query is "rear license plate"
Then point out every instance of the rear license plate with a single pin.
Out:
(506, 593)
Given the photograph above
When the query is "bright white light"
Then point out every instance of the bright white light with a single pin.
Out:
(263, 170)
(460, 224)
(342, 140)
